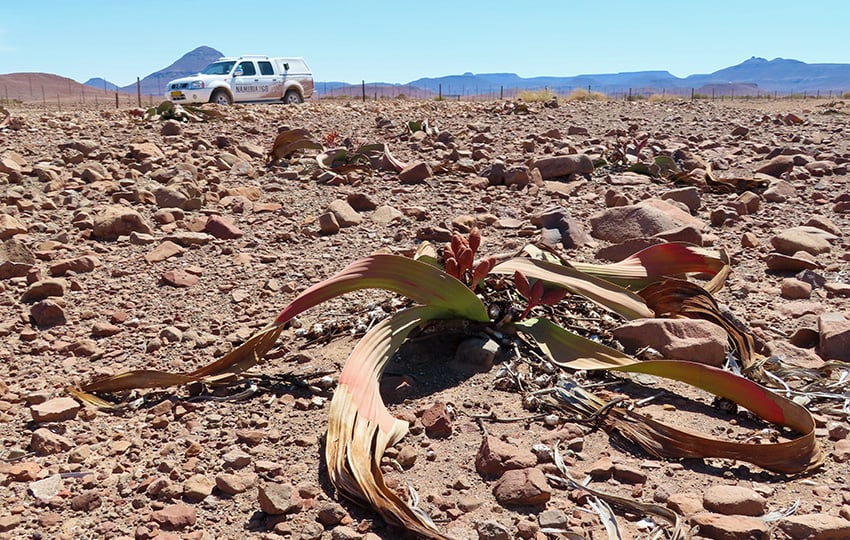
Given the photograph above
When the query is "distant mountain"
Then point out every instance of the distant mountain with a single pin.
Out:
(751, 77)
(188, 64)
(780, 75)
(101, 84)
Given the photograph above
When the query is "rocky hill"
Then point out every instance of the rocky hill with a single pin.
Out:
(188, 64)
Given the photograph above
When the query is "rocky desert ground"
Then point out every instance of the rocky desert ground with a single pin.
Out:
(131, 242)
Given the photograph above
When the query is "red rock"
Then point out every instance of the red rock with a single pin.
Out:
(495, 457)
(841, 451)
(175, 517)
(44, 288)
(685, 503)
(86, 501)
(104, 329)
(179, 278)
(795, 289)
(233, 483)
(8, 523)
(222, 227)
(344, 214)
(415, 173)
(47, 313)
(720, 527)
(437, 421)
(115, 221)
(78, 265)
(834, 337)
(197, 487)
(16, 259)
(815, 527)
(55, 410)
(689, 196)
(328, 223)
(165, 250)
(10, 226)
(729, 500)
(684, 339)
(522, 487)
(25, 471)
(790, 241)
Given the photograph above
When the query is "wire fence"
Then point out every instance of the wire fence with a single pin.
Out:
(77, 96)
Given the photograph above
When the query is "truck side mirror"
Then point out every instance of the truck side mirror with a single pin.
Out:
(238, 72)
(286, 66)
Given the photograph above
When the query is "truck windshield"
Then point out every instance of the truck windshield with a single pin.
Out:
(218, 68)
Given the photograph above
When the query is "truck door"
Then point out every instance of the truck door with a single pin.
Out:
(271, 84)
(246, 82)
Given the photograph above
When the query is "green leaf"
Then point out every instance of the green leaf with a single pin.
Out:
(666, 166)
(569, 350)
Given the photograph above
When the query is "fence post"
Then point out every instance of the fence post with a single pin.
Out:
(139, 91)
(692, 94)
(501, 93)
(116, 100)
(440, 91)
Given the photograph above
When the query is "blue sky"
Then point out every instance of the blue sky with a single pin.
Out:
(379, 40)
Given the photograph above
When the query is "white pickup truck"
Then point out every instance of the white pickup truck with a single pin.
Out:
(245, 78)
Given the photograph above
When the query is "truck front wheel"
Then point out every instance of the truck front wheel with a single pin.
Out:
(292, 97)
(221, 97)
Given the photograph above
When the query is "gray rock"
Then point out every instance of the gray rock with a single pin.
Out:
(622, 223)
(559, 166)
(777, 166)
(16, 259)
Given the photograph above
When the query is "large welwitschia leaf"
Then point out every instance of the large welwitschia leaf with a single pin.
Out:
(655, 262)
(419, 281)
(360, 428)
(794, 456)
(604, 293)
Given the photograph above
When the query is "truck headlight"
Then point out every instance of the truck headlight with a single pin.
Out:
(197, 85)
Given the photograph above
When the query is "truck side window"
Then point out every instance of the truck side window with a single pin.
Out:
(266, 68)
(248, 69)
